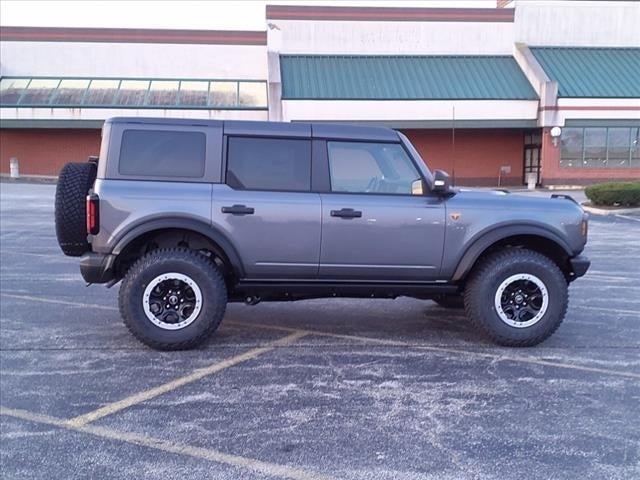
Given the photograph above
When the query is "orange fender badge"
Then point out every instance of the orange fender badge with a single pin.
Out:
(455, 216)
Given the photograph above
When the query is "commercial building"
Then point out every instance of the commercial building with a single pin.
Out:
(478, 91)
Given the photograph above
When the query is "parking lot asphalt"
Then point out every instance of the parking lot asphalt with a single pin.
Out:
(353, 389)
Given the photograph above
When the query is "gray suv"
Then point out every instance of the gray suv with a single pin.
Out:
(192, 214)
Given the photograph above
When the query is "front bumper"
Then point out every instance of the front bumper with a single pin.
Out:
(579, 265)
(97, 267)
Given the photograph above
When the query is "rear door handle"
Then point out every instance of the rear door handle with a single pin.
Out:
(238, 210)
(346, 213)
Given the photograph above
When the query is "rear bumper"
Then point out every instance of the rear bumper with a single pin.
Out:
(97, 267)
(579, 264)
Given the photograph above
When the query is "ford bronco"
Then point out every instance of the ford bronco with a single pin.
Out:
(192, 214)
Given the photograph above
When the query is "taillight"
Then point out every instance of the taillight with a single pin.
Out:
(93, 214)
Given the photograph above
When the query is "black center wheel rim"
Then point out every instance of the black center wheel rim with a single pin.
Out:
(521, 300)
(172, 301)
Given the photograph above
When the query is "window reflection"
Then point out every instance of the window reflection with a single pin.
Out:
(39, 92)
(252, 94)
(11, 89)
(133, 93)
(223, 94)
(163, 93)
(102, 92)
(70, 92)
(194, 93)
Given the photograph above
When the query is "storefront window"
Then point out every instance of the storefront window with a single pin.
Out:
(635, 147)
(572, 147)
(600, 147)
(595, 148)
(618, 148)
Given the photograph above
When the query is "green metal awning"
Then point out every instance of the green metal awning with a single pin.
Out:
(344, 77)
(592, 72)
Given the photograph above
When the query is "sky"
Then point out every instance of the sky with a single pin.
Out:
(208, 15)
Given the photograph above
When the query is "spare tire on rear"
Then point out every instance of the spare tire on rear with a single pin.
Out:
(74, 182)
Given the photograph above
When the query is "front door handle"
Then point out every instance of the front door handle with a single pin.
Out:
(238, 210)
(346, 213)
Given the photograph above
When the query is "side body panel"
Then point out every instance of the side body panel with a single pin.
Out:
(397, 237)
(281, 239)
(126, 204)
(472, 215)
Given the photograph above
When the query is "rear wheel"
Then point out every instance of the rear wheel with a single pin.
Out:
(173, 299)
(74, 182)
(517, 297)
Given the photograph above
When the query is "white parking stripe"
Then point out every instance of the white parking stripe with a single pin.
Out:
(259, 466)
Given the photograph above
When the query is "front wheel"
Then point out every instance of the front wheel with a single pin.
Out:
(517, 297)
(173, 299)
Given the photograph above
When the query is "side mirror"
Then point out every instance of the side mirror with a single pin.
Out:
(441, 182)
(417, 187)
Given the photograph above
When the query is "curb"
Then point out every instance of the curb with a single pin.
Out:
(617, 211)
(4, 178)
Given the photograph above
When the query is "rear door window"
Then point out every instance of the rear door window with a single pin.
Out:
(269, 164)
(162, 153)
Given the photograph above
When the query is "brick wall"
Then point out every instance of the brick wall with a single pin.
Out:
(478, 155)
(45, 151)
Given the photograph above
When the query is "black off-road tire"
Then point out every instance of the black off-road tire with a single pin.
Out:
(74, 182)
(484, 282)
(451, 301)
(201, 270)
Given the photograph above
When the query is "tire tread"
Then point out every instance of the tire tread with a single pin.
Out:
(184, 254)
(484, 270)
(74, 182)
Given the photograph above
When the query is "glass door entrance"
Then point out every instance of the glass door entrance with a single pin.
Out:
(532, 147)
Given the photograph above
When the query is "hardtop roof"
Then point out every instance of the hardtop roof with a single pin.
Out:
(280, 129)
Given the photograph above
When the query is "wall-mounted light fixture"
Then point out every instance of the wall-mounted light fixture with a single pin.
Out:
(555, 135)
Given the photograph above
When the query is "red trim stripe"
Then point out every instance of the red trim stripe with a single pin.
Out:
(585, 107)
(132, 35)
(390, 14)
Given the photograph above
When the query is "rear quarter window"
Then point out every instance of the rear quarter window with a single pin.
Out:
(162, 153)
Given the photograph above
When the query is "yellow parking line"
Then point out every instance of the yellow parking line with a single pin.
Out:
(179, 382)
(491, 356)
(259, 466)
